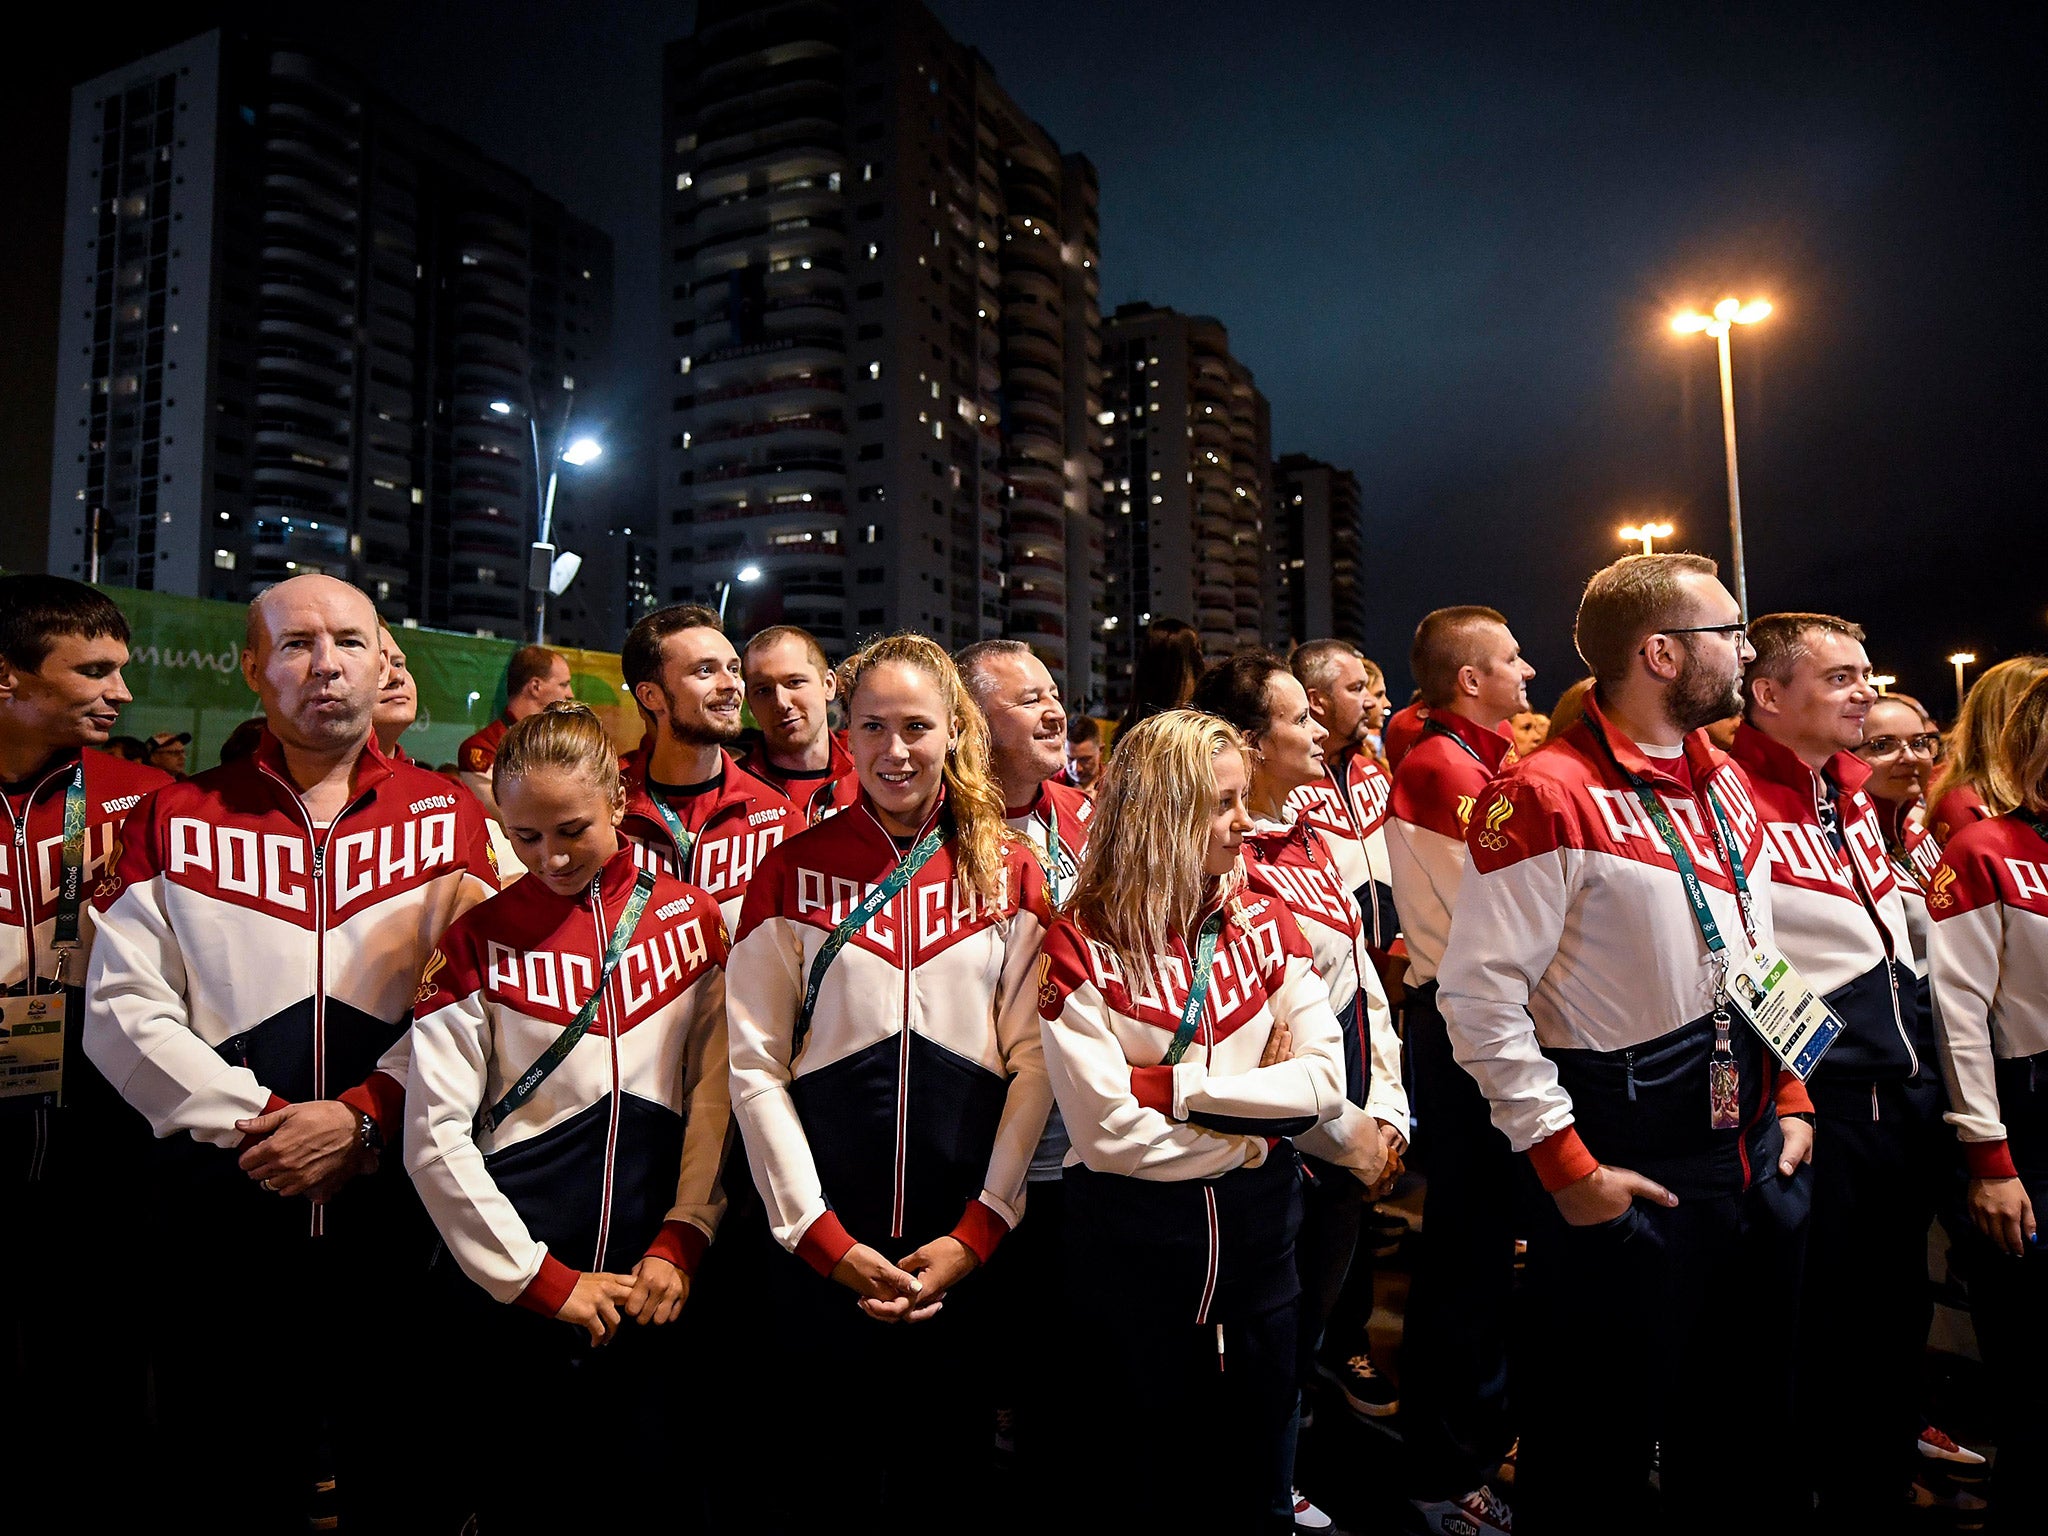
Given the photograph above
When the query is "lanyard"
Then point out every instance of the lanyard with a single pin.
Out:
(1056, 857)
(622, 935)
(686, 842)
(1198, 987)
(1430, 727)
(71, 892)
(856, 920)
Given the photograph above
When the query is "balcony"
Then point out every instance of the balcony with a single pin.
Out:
(315, 371)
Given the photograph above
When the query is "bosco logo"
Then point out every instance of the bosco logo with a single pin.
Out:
(1497, 814)
(1939, 894)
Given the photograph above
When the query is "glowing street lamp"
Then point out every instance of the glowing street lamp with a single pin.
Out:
(1646, 532)
(1728, 314)
(747, 575)
(1960, 660)
(1882, 681)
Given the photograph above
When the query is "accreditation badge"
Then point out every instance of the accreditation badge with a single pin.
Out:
(32, 1050)
(1775, 1001)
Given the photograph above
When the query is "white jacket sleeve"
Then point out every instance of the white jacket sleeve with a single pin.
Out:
(1963, 953)
(1428, 871)
(1351, 1138)
(1503, 937)
(763, 990)
(1110, 1130)
(1308, 1085)
(137, 1027)
(707, 1106)
(1029, 1098)
(450, 1074)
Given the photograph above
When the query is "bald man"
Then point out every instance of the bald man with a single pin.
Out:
(260, 940)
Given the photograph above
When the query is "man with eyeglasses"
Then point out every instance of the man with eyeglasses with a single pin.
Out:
(1586, 987)
(1841, 920)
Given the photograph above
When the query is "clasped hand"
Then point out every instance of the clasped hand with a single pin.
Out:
(909, 1292)
(309, 1149)
(653, 1294)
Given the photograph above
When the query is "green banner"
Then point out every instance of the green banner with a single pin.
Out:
(185, 670)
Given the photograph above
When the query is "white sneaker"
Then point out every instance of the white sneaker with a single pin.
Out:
(1478, 1513)
(1307, 1517)
(1937, 1446)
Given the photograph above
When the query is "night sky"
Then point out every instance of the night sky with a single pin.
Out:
(1448, 240)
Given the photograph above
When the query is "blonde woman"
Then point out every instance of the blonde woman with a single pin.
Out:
(566, 1117)
(1988, 953)
(1187, 1037)
(888, 1080)
(1971, 783)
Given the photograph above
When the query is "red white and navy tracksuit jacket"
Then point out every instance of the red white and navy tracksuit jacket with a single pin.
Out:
(911, 1108)
(247, 959)
(1187, 1165)
(1576, 986)
(1988, 954)
(1436, 788)
(1294, 862)
(1055, 825)
(1837, 909)
(1348, 805)
(734, 827)
(1915, 854)
(473, 759)
(617, 1154)
(1955, 810)
(818, 797)
(31, 879)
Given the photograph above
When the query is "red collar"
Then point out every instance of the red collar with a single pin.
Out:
(1701, 760)
(1487, 742)
(372, 768)
(1768, 758)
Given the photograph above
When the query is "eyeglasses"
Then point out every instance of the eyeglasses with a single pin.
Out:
(1731, 630)
(1929, 745)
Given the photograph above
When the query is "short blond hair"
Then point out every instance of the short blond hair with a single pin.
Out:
(1627, 600)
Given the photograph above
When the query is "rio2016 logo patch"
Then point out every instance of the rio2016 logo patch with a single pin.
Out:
(1497, 814)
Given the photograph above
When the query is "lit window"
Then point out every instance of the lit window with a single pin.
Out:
(874, 250)
(872, 534)
(683, 365)
(938, 429)
(686, 439)
(683, 182)
(1106, 418)
(874, 370)
(417, 497)
(867, 171)
(1155, 474)
(832, 182)
(568, 382)
(224, 559)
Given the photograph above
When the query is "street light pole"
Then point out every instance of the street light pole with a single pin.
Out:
(547, 516)
(748, 574)
(1728, 314)
(1960, 660)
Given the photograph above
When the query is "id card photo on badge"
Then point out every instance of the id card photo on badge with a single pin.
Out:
(1775, 1001)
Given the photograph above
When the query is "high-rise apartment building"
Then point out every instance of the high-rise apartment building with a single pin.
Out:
(1187, 459)
(304, 331)
(1317, 553)
(882, 294)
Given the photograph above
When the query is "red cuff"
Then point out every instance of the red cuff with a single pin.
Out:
(382, 1097)
(980, 1229)
(681, 1244)
(1990, 1159)
(1792, 1097)
(824, 1244)
(1562, 1159)
(546, 1291)
(271, 1108)
(1153, 1088)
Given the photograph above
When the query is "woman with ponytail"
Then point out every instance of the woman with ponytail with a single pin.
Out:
(1188, 1037)
(889, 1083)
(566, 1118)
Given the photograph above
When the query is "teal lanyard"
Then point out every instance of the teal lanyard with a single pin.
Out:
(1431, 728)
(686, 842)
(1056, 856)
(858, 919)
(1198, 987)
(71, 892)
(622, 935)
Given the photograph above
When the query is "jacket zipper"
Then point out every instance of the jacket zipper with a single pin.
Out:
(1628, 1061)
(24, 885)
(1207, 1035)
(611, 1135)
(319, 843)
(1884, 938)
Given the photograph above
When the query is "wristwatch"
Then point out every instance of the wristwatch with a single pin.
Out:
(367, 1135)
